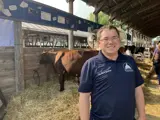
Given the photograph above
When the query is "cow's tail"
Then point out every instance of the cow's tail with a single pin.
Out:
(58, 61)
(54, 69)
(61, 56)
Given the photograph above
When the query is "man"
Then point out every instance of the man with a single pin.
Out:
(112, 80)
(156, 63)
(154, 67)
(156, 49)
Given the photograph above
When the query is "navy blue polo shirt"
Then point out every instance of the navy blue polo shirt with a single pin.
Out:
(112, 85)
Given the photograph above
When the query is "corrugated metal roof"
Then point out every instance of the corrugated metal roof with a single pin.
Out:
(47, 29)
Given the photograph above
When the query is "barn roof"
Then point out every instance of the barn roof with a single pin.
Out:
(142, 15)
(54, 30)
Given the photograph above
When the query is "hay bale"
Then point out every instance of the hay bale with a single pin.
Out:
(45, 103)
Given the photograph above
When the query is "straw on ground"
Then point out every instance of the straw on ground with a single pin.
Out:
(47, 103)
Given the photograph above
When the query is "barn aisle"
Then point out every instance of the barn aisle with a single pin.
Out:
(152, 93)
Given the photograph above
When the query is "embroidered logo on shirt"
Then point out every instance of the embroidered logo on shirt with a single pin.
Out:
(105, 72)
(127, 67)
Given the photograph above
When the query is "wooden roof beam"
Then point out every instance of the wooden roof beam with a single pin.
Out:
(131, 12)
(152, 19)
(131, 16)
(153, 29)
(130, 25)
(120, 5)
(149, 12)
(131, 19)
(140, 2)
(135, 9)
(128, 18)
(148, 8)
(146, 26)
(113, 16)
(99, 7)
(115, 2)
(156, 12)
(125, 21)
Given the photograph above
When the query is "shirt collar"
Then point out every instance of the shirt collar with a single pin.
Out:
(121, 57)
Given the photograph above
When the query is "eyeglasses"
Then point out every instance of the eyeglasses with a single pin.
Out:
(115, 38)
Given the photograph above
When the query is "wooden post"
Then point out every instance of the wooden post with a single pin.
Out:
(96, 20)
(132, 37)
(128, 33)
(96, 17)
(19, 66)
(70, 35)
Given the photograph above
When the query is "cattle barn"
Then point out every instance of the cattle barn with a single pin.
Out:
(20, 62)
(36, 39)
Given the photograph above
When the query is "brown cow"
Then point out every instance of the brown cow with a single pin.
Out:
(67, 61)
(122, 50)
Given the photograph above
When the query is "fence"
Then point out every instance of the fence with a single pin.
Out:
(7, 71)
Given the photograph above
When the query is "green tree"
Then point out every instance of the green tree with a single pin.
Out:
(104, 20)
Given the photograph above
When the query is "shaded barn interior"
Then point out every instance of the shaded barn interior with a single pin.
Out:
(141, 15)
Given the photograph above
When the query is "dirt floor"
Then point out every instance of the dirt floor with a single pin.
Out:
(47, 103)
(152, 93)
(153, 103)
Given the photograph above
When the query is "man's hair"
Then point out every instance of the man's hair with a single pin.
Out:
(110, 27)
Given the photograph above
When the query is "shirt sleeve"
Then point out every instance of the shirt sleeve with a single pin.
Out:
(156, 51)
(86, 78)
(138, 78)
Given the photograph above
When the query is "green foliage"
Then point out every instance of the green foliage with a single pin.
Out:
(104, 20)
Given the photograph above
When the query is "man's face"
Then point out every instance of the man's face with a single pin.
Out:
(109, 41)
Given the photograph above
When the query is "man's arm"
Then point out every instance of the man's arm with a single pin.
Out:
(140, 103)
(84, 106)
(156, 56)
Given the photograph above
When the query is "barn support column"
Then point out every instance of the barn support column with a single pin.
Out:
(19, 66)
(128, 33)
(70, 35)
(132, 36)
(96, 17)
(96, 20)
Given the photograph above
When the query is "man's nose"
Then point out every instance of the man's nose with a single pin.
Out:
(110, 41)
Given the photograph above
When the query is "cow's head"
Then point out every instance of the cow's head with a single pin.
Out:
(47, 58)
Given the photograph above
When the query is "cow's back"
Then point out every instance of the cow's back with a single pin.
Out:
(77, 66)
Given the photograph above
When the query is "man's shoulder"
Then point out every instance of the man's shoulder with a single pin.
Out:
(92, 59)
(128, 58)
